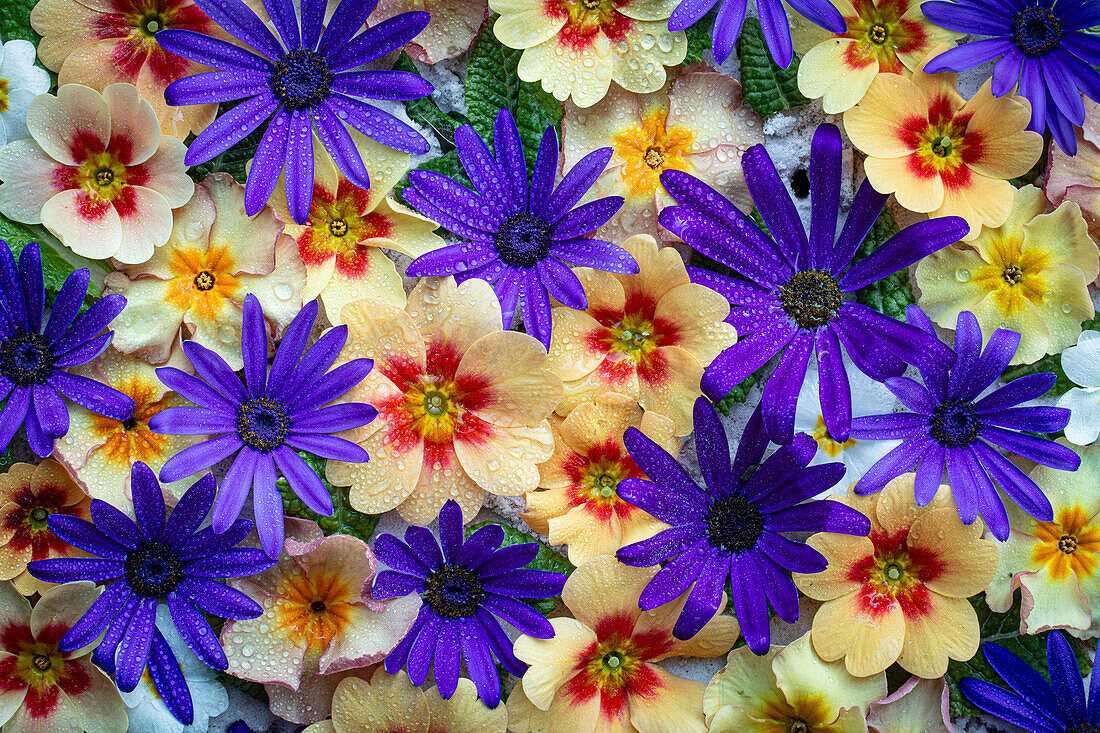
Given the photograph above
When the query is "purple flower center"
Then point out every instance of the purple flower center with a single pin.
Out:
(523, 240)
(1036, 31)
(955, 424)
(26, 359)
(301, 80)
(734, 523)
(454, 591)
(154, 569)
(263, 423)
(811, 298)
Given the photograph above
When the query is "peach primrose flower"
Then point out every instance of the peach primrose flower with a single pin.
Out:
(43, 688)
(195, 285)
(462, 405)
(698, 124)
(599, 672)
(918, 706)
(1055, 563)
(899, 594)
(786, 687)
(647, 336)
(99, 42)
(577, 504)
(28, 496)
(101, 451)
(576, 48)
(940, 154)
(97, 172)
(319, 622)
(1076, 178)
(342, 239)
(1029, 275)
(883, 37)
(451, 31)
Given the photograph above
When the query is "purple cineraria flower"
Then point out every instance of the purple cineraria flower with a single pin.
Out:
(951, 425)
(1039, 44)
(33, 358)
(308, 81)
(791, 296)
(466, 586)
(730, 528)
(152, 561)
(518, 236)
(267, 419)
(773, 22)
(1058, 706)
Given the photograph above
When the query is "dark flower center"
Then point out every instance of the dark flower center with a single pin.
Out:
(150, 24)
(104, 177)
(734, 523)
(654, 158)
(301, 80)
(811, 298)
(317, 606)
(263, 423)
(338, 228)
(205, 280)
(523, 240)
(129, 423)
(942, 148)
(955, 424)
(39, 514)
(878, 34)
(798, 726)
(454, 592)
(26, 359)
(612, 662)
(41, 663)
(1013, 275)
(154, 569)
(1067, 544)
(1036, 31)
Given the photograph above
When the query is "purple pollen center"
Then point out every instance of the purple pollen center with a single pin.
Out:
(1036, 31)
(302, 80)
(263, 423)
(154, 569)
(454, 591)
(955, 424)
(734, 524)
(523, 240)
(26, 359)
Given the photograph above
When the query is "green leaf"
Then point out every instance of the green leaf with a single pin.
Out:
(253, 689)
(344, 519)
(740, 393)
(768, 88)
(426, 112)
(698, 38)
(15, 20)
(891, 294)
(1004, 630)
(546, 559)
(55, 267)
(535, 111)
(6, 459)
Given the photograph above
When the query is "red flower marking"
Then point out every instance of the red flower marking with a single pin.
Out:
(587, 19)
(916, 567)
(41, 540)
(134, 48)
(85, 144)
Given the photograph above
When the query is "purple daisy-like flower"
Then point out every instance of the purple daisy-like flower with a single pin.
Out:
(952, 426)
(466, 586)
(309, 82)
(1058, 706)
(519, 237)
(791, 296)
(148, 562)
(731, 527)
(267, 419)
(33, 358)
(1039, 45)
(773, 22)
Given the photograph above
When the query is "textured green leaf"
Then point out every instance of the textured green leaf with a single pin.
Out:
(547, 559)
(535, 111)
(55, 268)
(740, 393)
(426, 112)
(698, 38)
(6, 459)
(344, 519)
(1052, 364)
(891, 294)
(768, 88)
(1004, 630)
(15, 20)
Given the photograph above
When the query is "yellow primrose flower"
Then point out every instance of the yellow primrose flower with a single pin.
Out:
(698, 124)
(883, 37)
(1029, 275)
(576, 48)
(1055, 564)
(786, 687)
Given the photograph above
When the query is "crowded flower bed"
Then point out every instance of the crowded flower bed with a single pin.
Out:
(549, 366)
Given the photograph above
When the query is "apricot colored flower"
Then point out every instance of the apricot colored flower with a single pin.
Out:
(1029, 275)
(462, 405)
(97, 172)
(1055, 564)
(101, 451)
(28, 496)
(899, 594)
(599, 672)
(918, 706)
(1076, 178)
(451, 31)
(940, 154)
(576, 48)
(785, 686)
(319, 621)
(882, 37)
(341, 240)
(699, 123)
(98, 42)
(194, 287)
(577, 504)
(647, 336)
(41, 686)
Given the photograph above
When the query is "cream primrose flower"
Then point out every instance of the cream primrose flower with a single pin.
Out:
(20, 82)
(1081, 363)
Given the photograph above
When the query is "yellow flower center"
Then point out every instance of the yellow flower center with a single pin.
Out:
(205, 280)
(614, 663)
(1068, 544)
(881, 33)
(600, 481)
(651, 148)
(202, 280)
(878, 34)
(314, 609)
(131, 440)
(633, 336)
(3, 95)
(338, 228)
(826, 443)
(1013, 275)
(148, 18)
(941, 146)
(798, 726)
(434, 408)
(102, 176)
